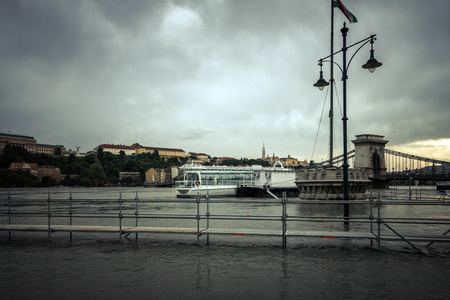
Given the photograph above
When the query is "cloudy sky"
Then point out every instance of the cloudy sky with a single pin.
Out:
(222, 77)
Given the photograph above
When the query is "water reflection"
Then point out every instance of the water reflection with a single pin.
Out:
(331, 210)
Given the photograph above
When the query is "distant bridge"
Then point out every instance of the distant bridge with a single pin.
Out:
(336, 160)
(412, 176)
(399, 161)
(396, 162)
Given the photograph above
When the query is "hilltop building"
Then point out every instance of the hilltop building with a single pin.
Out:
(163, 152)
(289, 161)
(139, 149)
(29, 143)
(286, 161)
(200, 157)
(115, 149)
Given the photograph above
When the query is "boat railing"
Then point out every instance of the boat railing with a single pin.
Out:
(214, 182)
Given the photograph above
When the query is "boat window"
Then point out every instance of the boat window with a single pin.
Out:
(192, 176)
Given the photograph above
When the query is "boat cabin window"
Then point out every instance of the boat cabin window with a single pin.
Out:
(191, 176)
(226, 176)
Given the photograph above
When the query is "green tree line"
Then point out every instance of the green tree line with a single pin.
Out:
(95, 169)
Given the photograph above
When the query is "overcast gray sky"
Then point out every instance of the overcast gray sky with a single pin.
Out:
(220, 76)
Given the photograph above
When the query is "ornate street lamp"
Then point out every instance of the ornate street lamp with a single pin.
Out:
(321, 83)
(371, 65)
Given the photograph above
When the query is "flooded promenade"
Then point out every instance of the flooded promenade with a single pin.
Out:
(234, 267)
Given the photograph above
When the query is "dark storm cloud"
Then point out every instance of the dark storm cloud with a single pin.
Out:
(217, 76)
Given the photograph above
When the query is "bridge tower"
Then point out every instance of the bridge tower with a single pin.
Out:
(366, 157)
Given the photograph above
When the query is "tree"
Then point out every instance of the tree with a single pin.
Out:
(100, 154)
(72, 158)
(58, 151)
(95, 172)
(48, 181)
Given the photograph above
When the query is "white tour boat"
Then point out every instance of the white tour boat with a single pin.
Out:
(222, 181)
(216, 181)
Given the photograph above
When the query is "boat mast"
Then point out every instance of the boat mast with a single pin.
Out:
(331, 83)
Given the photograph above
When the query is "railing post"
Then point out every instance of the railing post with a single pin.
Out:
(120, 217)
(9, 213)
(371, 215)
(198, 218)
(70, 214)
(49, 215)
(284, 217)
(379, 222)
(207, 216)
(136, 213)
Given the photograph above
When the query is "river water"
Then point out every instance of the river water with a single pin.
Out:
(229, 267)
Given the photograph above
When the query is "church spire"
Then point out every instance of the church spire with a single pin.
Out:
(263, 152)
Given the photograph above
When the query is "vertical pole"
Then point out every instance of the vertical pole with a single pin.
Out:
(198, 218)
(344, 31)
(331, 82)
(136, 213)
(379, 222)
(120, 217)
(207, 216)
(371, 215)
(9, 213)
(49, 215)
(70, 214)
(284, 217)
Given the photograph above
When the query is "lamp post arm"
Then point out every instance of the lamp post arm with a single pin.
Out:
(339, 66)
(361, 41)
(367, 41)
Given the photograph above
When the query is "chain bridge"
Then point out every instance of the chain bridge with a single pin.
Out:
(383, 164)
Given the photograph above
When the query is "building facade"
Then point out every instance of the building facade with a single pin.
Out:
(136, 149)
(200, 156)
(38, 171)
(115, 149)
(155, 175)
(24, 141)
(134, 175)
(28, 143)
(52, 172)
(31, 167)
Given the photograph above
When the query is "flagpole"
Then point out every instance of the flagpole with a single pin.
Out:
(331, 83)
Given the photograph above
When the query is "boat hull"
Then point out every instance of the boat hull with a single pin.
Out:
(260, 192)
(202, 191)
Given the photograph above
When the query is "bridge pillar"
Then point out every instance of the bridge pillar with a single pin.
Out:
(368, 159)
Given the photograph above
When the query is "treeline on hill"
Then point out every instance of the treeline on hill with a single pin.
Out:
(91, 170)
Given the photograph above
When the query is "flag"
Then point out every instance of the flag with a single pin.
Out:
(345, 11)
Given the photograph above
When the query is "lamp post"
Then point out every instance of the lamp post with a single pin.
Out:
(371, 65)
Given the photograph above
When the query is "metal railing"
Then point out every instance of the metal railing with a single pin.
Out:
(132, 215)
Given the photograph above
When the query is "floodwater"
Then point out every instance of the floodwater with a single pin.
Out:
(230, 267)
